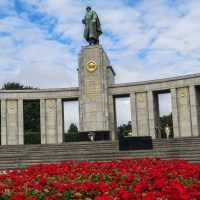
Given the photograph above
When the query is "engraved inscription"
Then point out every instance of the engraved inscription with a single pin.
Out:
(92, 89)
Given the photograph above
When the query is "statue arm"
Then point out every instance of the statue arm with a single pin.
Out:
(94, 17)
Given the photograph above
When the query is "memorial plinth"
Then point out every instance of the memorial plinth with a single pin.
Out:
(135, 143)
(95, 75)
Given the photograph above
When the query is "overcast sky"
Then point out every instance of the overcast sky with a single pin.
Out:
(144, 39)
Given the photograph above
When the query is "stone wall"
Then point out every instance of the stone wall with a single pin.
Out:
(96, 95)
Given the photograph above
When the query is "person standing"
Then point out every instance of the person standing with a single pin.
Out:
(158, 132)
(92, 26)
(167, 131)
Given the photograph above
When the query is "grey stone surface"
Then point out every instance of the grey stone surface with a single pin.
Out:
(93, 87)
(198, 108)
(111, 118)
(20, 122)
(184, 117)
(12, 122)
(194, 110)
(175, 113)
(96, 93)
(60, 128)
(3, 123)
(142, 114)
(43, 121)
(153, 110)
(133, 114)
(51, 121)
(40, 93)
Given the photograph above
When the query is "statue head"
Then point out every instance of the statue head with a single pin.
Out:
(88, 8)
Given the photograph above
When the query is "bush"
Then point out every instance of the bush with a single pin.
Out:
(72, 137)
(32, 138)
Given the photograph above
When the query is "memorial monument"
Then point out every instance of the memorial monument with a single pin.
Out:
(96, 96)
(95, 75)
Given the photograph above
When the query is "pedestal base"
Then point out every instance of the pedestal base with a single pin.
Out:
(135, 143)
(99, 135)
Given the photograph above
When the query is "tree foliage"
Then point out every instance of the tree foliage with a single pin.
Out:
(166, 119)
(32, 116)
(124, 129)
(16, 86)
(72, 128)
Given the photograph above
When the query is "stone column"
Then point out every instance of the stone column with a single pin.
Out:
(111, 118)
(194, 111)
(93, 86)
(3, 123)
(51, 121)
(133, 114)
(198, 107)
(183, 100)
(175, 113)
(153, 109)
(12, 122)
(60, 120)
(20, 122)
(43, 121)
(142, 114)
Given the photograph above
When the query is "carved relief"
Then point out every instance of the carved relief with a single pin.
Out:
(11, 105)
(183, 93)
(51, 103)
(141, 98)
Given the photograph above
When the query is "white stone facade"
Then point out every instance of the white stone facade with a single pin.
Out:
(96, 95)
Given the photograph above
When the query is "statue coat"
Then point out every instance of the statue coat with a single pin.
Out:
(92, 26)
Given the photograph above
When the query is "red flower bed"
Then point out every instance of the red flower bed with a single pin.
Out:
(129, 179)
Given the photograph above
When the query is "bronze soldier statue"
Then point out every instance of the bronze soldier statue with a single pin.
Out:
(92, 26)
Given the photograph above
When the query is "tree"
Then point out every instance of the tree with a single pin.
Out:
(166, 119)
(32, 116)
(72, 128)
(16, 86)
(124, 129)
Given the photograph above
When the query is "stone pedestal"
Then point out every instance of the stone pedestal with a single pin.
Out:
(95, 75)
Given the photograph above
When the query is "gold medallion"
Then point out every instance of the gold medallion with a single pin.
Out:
(91, 66)
(183, 93)
(141, 98)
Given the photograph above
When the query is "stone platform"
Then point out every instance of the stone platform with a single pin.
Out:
(19, 156)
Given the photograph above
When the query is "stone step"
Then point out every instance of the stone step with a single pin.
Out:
(19, 156)
(48, 155)
(30, 162)
(96, 151)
